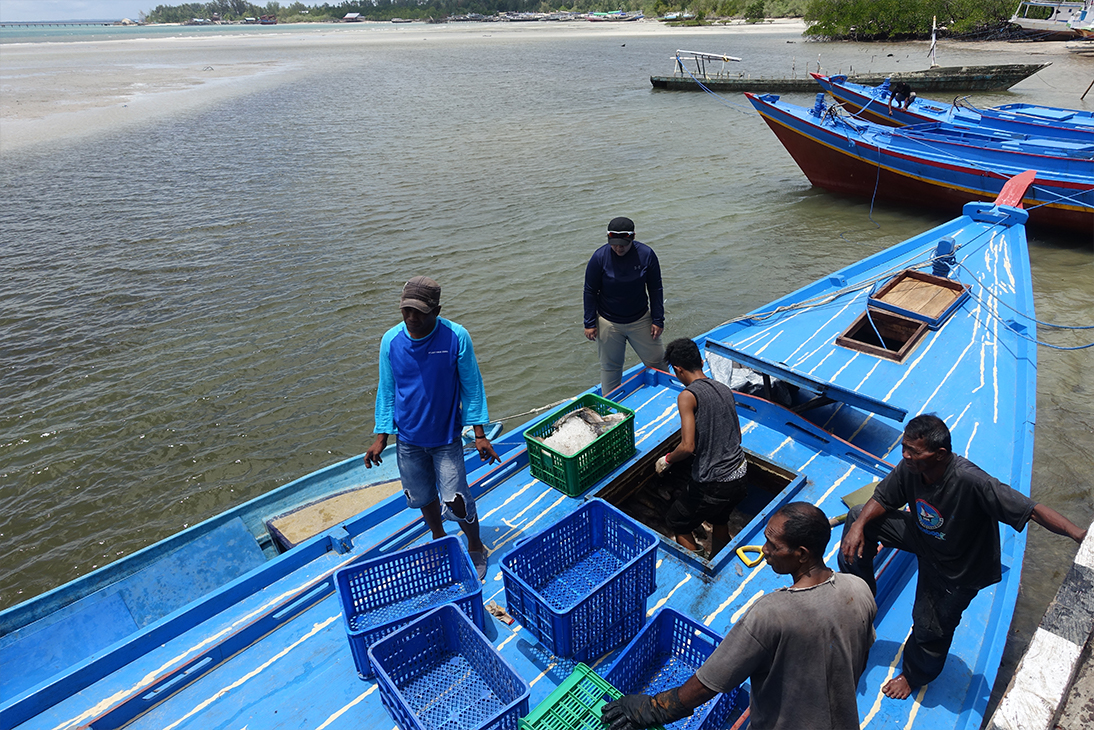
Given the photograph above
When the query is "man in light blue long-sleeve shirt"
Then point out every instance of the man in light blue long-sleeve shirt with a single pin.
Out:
(430, 388)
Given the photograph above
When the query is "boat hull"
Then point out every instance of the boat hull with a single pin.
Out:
(839, 161)
(998, 77)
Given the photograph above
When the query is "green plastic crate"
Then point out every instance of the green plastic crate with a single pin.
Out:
(574, 705)
(572, 475)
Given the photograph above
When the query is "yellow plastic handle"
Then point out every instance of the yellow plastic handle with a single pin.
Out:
(750, 549)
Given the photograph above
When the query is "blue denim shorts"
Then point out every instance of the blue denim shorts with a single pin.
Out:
(432, 472)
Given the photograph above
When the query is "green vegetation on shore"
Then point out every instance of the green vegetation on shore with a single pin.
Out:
(385, 10)
(867, 20)
(860, 20)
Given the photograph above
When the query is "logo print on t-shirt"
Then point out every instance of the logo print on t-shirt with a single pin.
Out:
(930, 521)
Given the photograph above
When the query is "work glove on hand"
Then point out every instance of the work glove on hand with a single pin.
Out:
(633, 712)
(662, 464)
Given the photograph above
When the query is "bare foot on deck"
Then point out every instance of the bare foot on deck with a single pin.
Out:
(897, 688)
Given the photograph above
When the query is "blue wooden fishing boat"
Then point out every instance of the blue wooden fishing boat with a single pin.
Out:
(941, 322)
(870, 103)
(63, 628)
(936, 164)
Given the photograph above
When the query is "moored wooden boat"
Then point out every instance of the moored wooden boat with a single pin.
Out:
(934, 164)
(871, 103)
(268, 649)
(615, 16)
(996, 77)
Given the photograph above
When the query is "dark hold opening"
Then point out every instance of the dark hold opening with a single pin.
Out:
(646, 497)
(899, 335)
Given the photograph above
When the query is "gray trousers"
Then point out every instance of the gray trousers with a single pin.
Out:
(611, 344)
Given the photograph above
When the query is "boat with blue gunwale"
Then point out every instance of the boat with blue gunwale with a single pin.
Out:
(941, 322)
(871, 103)
(936, 164)
(615, 16)
(45, 634)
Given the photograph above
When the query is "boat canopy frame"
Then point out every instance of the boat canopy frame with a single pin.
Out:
(700, 59)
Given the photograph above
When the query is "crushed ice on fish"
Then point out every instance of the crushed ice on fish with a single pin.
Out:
(577, 429)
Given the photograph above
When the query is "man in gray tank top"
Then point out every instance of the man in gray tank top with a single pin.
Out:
(711, 432)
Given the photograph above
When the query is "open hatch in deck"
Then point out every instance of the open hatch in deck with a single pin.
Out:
(646, 496)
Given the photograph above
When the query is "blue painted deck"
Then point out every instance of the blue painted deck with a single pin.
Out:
(268, 649)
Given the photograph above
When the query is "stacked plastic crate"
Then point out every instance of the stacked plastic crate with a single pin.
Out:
(581, 586)
(381, 595)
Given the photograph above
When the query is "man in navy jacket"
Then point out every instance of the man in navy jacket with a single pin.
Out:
(624, 302)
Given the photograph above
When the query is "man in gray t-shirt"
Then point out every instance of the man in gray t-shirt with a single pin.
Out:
(710, 434)
(803, 647)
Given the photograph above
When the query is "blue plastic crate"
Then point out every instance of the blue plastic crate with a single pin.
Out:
(382, 594)
(570, 583)
(440, 671)
(664, 655)
(614, 636)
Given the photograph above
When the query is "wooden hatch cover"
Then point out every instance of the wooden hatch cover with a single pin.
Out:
(920, 296)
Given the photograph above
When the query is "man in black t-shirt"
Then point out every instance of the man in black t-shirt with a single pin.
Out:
(902, 94)
(952, 528)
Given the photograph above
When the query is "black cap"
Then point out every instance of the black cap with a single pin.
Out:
(621, 228)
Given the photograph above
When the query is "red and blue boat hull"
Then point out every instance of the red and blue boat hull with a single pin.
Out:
(917, 166)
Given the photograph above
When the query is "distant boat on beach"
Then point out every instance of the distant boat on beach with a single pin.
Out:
(1083, 23)
(618, 16)
(1048, 21)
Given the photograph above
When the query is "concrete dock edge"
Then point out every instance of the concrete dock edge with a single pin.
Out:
(1053, 686)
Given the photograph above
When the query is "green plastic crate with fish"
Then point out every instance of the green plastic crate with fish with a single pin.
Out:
(572, 472)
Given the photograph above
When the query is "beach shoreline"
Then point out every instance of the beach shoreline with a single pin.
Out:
(54, 91)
